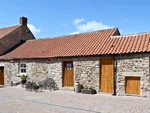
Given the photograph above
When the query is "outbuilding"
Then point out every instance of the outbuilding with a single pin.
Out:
(105, 60)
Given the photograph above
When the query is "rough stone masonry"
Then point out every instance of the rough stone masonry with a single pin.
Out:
(86, 70)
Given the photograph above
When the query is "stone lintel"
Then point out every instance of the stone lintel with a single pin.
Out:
(132, 74)
(2, 64)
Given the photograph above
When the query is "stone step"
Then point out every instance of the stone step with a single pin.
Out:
(67, 88)
(1, 86)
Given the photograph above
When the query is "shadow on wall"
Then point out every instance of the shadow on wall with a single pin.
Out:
(48, 83)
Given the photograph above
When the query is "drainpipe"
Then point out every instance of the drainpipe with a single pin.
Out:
(114, 76)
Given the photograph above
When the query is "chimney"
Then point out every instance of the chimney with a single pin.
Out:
(23, 21)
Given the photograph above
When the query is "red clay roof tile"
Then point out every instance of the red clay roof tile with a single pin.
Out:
(130, 45)
(118, 40)
(94, 43)
(7, 30)
(146, 43)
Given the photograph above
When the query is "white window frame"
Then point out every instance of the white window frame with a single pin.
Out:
(22, 68)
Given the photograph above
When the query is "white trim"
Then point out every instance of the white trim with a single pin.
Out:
(18, 75)
(20, 68)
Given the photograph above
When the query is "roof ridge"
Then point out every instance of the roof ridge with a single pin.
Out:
(72, 34)
(9, 26)
(132, 34)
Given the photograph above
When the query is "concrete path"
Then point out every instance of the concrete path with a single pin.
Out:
(17, 100)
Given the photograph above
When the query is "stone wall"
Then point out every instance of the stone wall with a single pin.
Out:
(10, 71)
(86, 70)
(38, 71)
(132, 63)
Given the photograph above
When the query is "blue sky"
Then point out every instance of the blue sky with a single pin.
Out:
(50, 18)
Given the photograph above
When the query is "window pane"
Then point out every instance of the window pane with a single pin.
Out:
(22, 65)
(68, 66)
(22, 70)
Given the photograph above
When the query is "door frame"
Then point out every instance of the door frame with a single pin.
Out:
(3, 73)
(114, 77)
(63, 63)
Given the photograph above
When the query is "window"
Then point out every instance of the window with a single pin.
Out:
(23, 68)
(69, 66)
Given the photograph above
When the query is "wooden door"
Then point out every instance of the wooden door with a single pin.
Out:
(133, 85)
(1, 76)
(68, 76)
(106, 75)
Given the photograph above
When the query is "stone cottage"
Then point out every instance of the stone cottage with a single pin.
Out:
(11, 37)
(105, 60)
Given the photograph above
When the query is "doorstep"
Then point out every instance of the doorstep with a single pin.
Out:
(1, 86)
(67, 89)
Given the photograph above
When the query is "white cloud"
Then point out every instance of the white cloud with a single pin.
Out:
(91, 26)
(33, 29)
(74, 33)
(76, 21)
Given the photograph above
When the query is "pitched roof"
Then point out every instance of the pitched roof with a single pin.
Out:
(92, 43)
(7, 30)
(131, 43)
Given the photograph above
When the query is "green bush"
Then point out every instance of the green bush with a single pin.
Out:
(32, 83)
(86, 87)
(23, 77)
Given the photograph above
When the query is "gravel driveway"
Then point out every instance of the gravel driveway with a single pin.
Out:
(17, 100)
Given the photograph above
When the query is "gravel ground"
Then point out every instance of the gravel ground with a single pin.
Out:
(17, 100)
